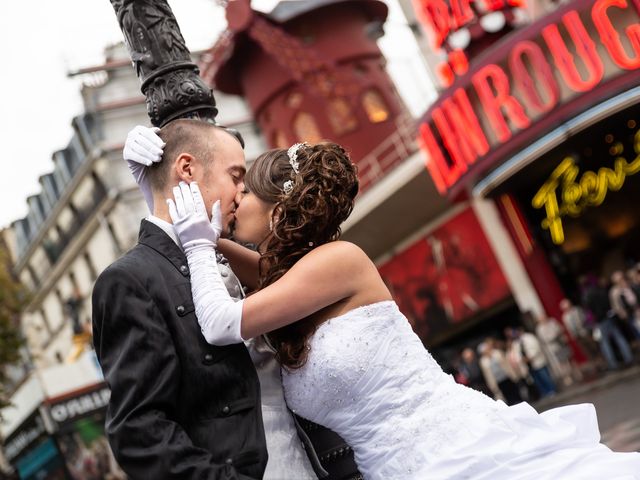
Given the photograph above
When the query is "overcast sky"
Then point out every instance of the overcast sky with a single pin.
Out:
(42, 40)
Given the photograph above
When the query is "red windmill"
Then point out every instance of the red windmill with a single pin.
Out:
(311, 70)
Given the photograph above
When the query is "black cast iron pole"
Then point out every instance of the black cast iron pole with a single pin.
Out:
(169, 78)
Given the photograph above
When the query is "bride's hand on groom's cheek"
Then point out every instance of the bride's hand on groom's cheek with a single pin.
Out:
(190, 218)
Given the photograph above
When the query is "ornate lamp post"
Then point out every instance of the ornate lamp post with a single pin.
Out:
(170, 80)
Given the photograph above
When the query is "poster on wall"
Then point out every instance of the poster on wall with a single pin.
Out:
(446, 277)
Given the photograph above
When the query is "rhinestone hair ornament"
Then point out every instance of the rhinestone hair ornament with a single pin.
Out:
(292, 153)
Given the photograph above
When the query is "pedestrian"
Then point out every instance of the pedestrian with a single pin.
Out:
(596, 299)
(518, 364)
(574, 319)
(624, 303)
(633, 277)
(497, 373)
(556, 346)
(470, 373)
(537, 362)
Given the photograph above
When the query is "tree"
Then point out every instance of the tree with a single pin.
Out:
(13, 298)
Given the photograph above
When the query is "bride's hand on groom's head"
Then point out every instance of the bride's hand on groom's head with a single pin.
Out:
(143, 146)
(190, 218)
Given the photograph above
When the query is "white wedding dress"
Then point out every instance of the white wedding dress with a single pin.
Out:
(369, 378)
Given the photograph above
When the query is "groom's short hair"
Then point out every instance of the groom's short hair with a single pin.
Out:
(182, 136)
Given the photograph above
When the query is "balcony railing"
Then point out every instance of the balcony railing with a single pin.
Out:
(54, 249)
(391, 152)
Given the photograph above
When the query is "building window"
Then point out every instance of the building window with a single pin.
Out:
(341, 116)
(375, 106)
(306, 129)
(90, 266)
(62, 304)
(73, 281)
(45, 319)
(34, 277)
(114, 237)
(360, 70)
(294, 100)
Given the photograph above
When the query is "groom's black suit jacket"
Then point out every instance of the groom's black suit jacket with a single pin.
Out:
(180, 408)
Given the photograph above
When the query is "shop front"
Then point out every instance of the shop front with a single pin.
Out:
(544, 128)
(78, 418)
(54, 428)
(33, 452)
(64, 439)
(579, 201)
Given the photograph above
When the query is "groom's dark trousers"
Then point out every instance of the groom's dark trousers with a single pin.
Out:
(180, 408)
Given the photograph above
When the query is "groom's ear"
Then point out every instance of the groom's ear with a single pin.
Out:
(184, 167)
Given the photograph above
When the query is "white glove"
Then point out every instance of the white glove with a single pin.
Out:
(190, 220)
(218, 315)
(142, 149)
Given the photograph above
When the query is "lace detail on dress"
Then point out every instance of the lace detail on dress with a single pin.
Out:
(329, 352)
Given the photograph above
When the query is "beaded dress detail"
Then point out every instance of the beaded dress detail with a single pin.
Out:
(369, 378)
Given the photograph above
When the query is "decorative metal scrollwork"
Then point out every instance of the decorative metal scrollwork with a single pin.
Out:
(170, 80)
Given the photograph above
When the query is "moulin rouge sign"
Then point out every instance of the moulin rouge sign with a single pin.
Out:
(559, 61)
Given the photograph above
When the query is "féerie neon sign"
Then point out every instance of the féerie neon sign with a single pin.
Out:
(563, 194)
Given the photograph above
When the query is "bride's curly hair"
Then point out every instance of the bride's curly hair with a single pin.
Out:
(322, 197)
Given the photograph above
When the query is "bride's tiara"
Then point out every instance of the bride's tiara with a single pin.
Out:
(292, 153)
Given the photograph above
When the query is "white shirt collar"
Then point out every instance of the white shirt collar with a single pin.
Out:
(166, 228)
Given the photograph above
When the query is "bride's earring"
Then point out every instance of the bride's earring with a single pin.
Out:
(271, 224)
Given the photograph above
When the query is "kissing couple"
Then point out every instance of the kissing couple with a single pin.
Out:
(180, 345)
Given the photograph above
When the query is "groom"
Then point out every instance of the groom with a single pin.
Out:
(180, 408)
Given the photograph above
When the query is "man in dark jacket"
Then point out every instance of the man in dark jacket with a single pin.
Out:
(596, 299)
(469, 370)
(180, 408)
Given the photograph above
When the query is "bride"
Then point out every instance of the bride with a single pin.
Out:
(350, 360)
